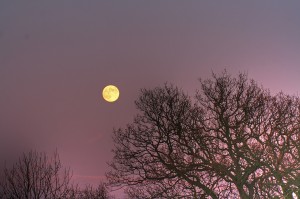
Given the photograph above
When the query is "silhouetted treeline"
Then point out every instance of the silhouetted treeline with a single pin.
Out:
(233, 140)
(38, 176)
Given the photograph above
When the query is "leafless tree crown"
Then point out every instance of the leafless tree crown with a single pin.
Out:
(235, 141)
(38, 176)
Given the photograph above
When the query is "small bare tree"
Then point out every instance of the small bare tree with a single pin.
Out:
(35, 175)
(38, 176)
(90, 192)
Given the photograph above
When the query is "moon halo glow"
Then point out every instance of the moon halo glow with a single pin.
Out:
(110, 93)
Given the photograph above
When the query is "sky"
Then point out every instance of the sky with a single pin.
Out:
(57, 56)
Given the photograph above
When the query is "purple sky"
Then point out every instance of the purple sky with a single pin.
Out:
(56, 57)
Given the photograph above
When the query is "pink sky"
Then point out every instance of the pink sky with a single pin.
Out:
(56, 57)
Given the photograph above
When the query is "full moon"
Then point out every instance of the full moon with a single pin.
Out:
(110, 93)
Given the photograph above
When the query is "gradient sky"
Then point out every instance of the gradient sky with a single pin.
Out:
(56, 57)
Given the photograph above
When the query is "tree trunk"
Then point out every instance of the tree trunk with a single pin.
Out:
(243, 194)
(287, 193)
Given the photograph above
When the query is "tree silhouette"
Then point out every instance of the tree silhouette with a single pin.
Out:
(235, 140)
(38, 176)
(280, 143)
(90, 192)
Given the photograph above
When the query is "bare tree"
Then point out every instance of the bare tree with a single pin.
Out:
(148, 151)
(280, 143)
(235, 141)
(36, 175)
(89, 192)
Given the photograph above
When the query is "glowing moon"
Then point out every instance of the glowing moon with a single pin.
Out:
(110, 93)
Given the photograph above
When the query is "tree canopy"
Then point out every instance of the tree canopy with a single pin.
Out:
(233, 140)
